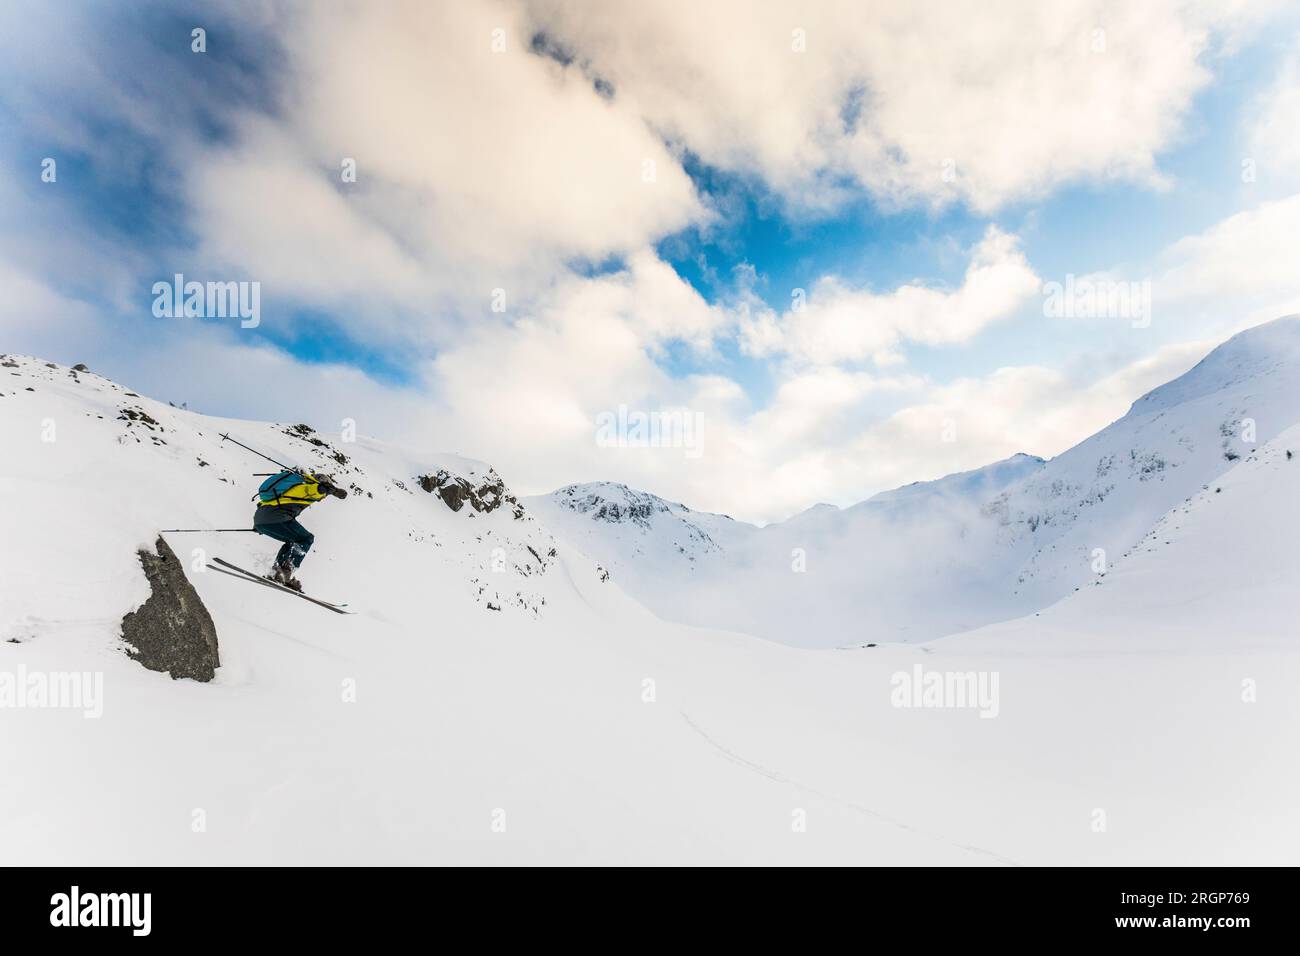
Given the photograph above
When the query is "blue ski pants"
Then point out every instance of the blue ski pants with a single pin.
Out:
(297, 539)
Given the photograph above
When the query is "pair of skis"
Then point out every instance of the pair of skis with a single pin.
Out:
(235, 571)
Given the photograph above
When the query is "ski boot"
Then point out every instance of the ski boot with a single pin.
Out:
(283, 574)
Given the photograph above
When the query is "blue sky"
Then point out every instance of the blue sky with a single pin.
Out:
(488, 169)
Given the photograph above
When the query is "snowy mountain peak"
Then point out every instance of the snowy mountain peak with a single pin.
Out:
(980, 483)
(1262, 352)
(614, 502)
(619, 526)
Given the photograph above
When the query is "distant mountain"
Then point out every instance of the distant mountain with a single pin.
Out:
(933, 558)
(1107, 491)
(840, 571)
(638, 530)
(981, 482)
(1235, 537)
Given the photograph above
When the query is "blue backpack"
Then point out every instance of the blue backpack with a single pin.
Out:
(287, 486)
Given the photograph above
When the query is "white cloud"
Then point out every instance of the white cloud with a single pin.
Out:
(893, 96)
(263, 215)
(37, 320)
(1239, 271)
(839, 324)
(1030, 409)
(476, 170)
(828, 444)
(525, 392)
(1272, 132)
(212, 368)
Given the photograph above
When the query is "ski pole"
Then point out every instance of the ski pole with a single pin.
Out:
(226, 437)
(201, 530)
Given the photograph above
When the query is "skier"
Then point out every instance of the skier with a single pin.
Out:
(281, 498)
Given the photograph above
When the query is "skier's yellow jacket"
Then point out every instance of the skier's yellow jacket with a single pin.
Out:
(290, 488)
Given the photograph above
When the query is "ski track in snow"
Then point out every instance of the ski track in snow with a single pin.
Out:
(776, 777)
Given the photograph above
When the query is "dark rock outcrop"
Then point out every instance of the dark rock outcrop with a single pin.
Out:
(172, 631)
(486, 495)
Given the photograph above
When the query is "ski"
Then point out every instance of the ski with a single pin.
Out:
(275, 584)
(235, 571)
(265, 580)
(337, 609)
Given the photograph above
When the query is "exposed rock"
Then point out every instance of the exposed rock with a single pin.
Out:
(488, 494)
(614, 503)
(172, 631)
(305, 432)
(134, 414)
(80, 367)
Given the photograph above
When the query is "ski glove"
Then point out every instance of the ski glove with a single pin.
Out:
(326, 488)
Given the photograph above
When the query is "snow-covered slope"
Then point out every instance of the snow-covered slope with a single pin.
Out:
(1166, 687)
(978, 485)
(571, 725)
(1220, 568)
(938, 557)
(1107, 491)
